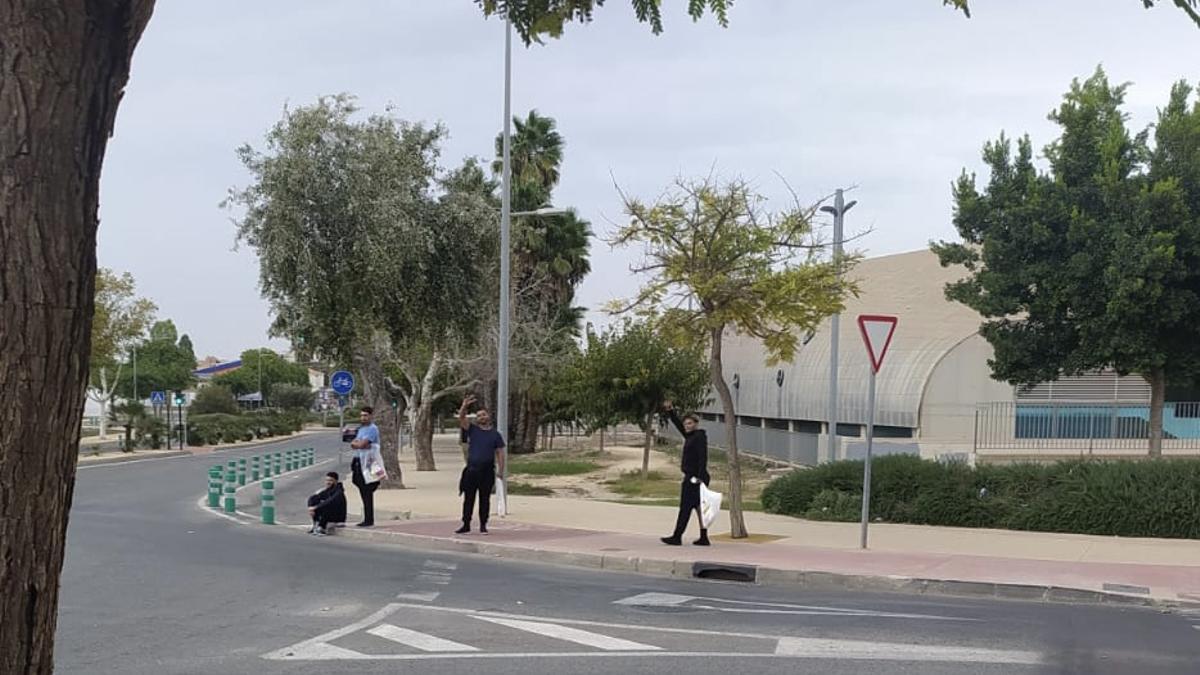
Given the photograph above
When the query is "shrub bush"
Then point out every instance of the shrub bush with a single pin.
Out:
(221, 428)
(1159, 498)
(214, 398)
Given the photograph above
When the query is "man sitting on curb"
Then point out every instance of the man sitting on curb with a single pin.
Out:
(328, 505)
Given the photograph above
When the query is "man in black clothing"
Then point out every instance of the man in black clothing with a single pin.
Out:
(695, 471)
(485, 456)
(328, 505)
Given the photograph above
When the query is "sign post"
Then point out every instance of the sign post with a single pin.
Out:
(877, 334)
(342, 383)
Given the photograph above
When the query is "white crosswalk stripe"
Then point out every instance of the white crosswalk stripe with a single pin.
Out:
(598, 639)
(418, 640)
(886, 651)
(583, 637)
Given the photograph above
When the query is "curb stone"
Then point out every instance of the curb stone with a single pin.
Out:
(770, 576)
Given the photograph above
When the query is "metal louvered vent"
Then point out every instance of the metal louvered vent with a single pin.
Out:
(1104, 386)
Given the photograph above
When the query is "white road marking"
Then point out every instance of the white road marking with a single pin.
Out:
(417, 640)
(440, 581)
(441, 565)
(318, 648)
(575, 635)
(676, 600)
(419, 597)
(813, 648)
(655, 600)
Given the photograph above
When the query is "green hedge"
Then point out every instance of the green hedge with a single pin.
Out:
(1125, 498)
(217, 428)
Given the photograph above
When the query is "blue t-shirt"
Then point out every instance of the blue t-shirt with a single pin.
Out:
(482, 445)
(368, 432)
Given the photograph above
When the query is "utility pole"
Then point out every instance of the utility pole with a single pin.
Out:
(838, 210)
(505, 246)
(135, 391)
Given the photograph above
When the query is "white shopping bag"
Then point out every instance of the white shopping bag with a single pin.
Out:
(501, 499)
(710, 505)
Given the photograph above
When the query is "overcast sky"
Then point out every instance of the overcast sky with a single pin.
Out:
(893, 96)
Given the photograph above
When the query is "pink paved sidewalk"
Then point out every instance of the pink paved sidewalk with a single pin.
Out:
(890, 569)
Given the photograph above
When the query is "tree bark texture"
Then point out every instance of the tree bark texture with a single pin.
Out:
(369, 362)
(650, 438)
(716, 370)
(63, 67)
(1158, 395)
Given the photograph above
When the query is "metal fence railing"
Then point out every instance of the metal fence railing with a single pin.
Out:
(791, 447)
(1083, 427)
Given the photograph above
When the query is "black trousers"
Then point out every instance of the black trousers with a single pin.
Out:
(333, 512)
(478, 479)
(689, 503)
(367, 492)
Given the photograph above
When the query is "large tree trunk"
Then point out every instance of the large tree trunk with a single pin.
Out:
(423, 435)
(1158, 395)
(369, 362)
(63, 66)
(650, 437)
(737, 522)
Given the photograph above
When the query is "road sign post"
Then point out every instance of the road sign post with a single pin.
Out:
(877, 332)
(342, 383)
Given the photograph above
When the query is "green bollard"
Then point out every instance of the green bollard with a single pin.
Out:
(255, 469)
(266, 466)
(268, 502)
(309, 458)
(214, 487)
(278, 463)
(241, 472)
(230, 492)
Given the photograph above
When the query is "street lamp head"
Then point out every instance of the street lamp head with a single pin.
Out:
(829, 209)
(546, 211)
(849, 206)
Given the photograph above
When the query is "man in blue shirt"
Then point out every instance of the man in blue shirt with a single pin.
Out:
(485, 456)
(366, 455)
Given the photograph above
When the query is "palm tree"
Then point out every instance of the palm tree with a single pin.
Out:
(537, 154)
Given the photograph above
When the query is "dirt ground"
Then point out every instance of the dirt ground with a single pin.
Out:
(623, 455)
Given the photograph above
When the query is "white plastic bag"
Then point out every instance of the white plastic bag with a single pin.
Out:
(501, 499)
(710, 505)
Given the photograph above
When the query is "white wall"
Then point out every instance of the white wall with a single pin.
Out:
(960, 381)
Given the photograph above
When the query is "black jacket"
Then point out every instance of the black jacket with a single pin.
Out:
(331, 496)
(695, 451)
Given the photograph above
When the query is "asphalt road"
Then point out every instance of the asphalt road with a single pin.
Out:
(153, 584)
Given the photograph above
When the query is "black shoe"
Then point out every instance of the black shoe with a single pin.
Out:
(465, 529)
(702, 541)
(672, 541)
(365, 524)
(483, 529)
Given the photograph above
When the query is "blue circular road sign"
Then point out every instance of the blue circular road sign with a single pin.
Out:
(342, 382)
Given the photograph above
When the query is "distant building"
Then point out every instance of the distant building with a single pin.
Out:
(935, 393)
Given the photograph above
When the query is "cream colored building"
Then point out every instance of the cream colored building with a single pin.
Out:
(931, 391)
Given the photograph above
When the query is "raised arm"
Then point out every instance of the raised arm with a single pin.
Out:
(674, 417)
(462, 412)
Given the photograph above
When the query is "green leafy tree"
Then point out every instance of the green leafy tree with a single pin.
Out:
(392, 248)
(626, 374)
(261, 371)
(1094, 263)
(297, 397)
(214, 398)
(533, 19)
(185, 345)
(718, 262)
(119, 320)
(127, 415)
(550, 259)
(162, 364)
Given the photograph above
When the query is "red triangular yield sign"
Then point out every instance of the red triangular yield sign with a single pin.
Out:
(877, 335)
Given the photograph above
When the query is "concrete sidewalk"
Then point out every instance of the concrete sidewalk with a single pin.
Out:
(901, 557)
